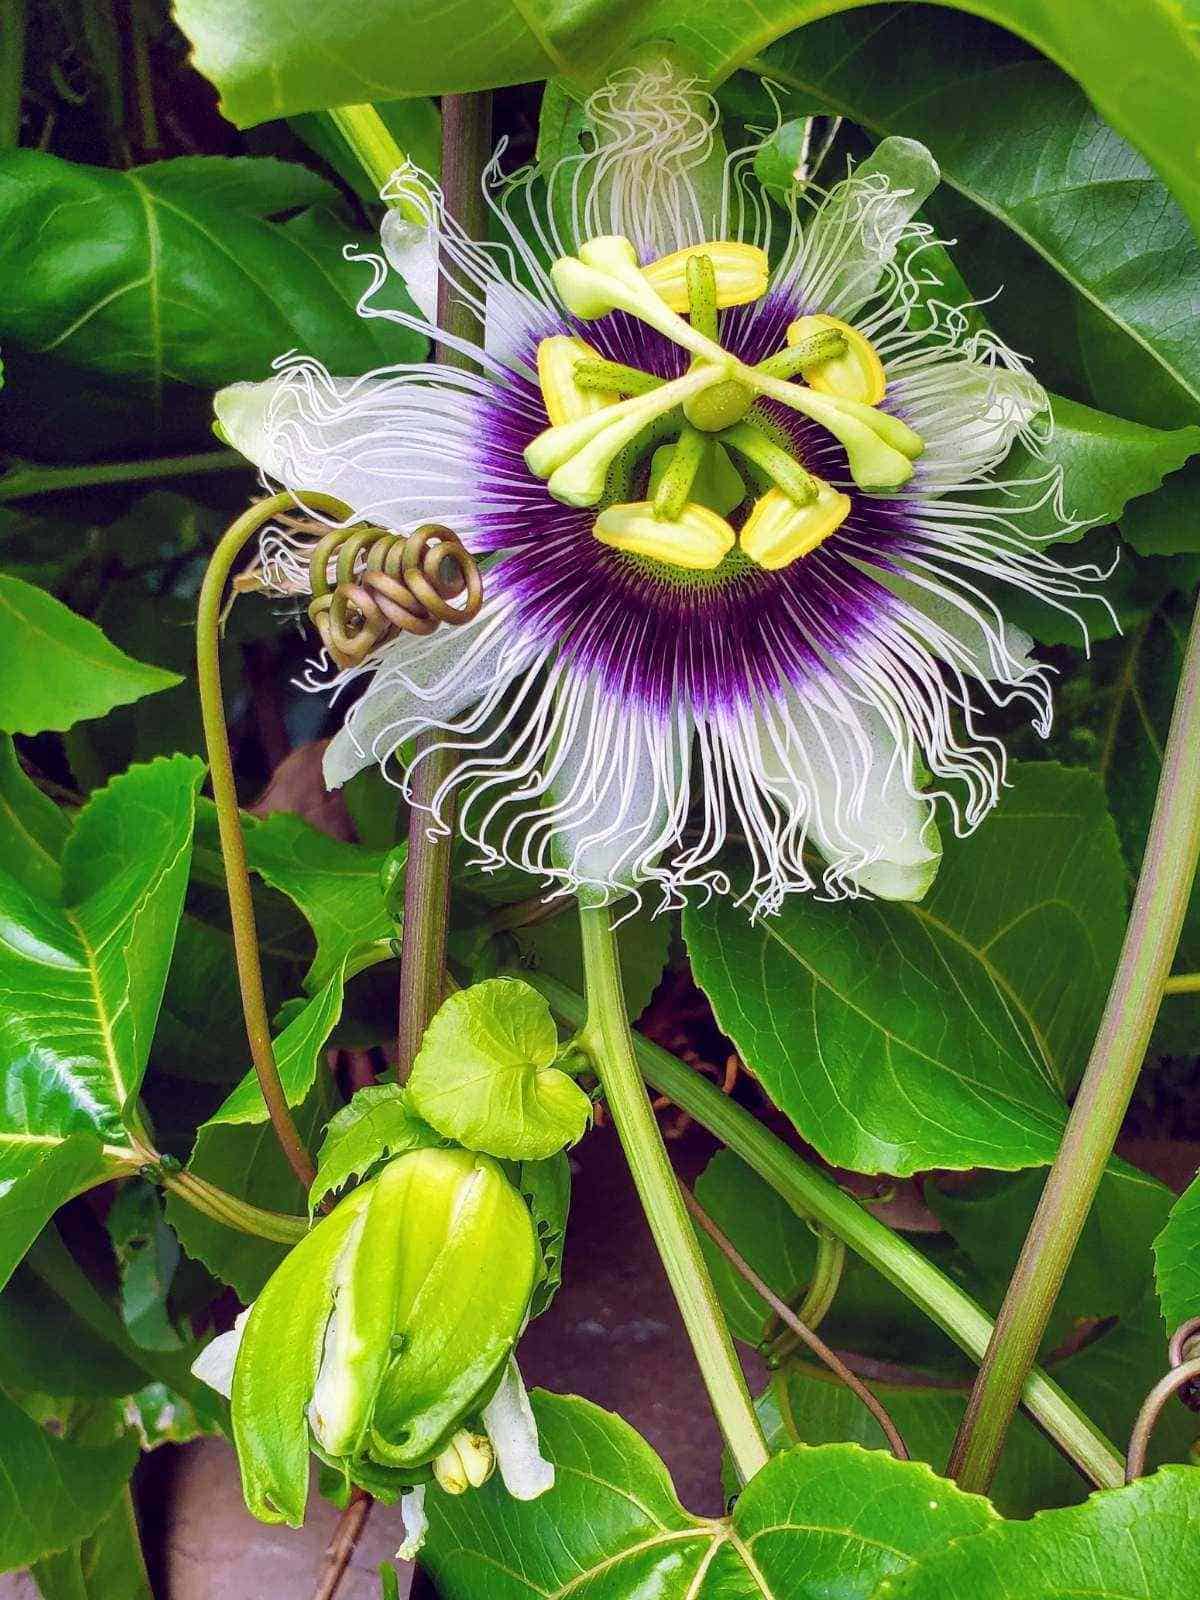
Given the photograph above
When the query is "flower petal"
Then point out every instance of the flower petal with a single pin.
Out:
(411, 249)
(852, 240)
(215, 1363)
(416, 1523)
(839, 765)
(509, 1422)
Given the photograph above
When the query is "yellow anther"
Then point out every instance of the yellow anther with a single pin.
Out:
(698, 539)
(857, 374)
(741, 272)
(778, 531)
(556, 362)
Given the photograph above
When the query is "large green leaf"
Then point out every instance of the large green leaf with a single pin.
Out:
(175, 272)
(904, 1036)
(811, 1524)
(107, 1565)
(1136, 1543)
(39, 1173)
(53, 1491)
(264, 66)
(81, 979)
(58, 667)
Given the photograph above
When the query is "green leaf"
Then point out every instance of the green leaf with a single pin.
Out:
(553, 947)
(107, 1565)
(378, 1122)
(53, 1491)
(900, 1036)
(147, 1255)
(39, 1173)
(484, 1074)
(175, 273)
(1177, 1259)
(47, 1348)
(237, 1149)
(335, 885)
(1106, 463)
(1062, 185)
(81, 979)
(59, 667)
(1135, 1543)
(264, 66)
(546, 1186)
(811, 1524)
(32, 829)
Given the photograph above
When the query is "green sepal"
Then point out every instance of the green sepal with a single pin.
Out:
(277, 1366)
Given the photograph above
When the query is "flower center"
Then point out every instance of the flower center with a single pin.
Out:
(605, 416)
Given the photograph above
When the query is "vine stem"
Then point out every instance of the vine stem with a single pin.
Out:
(798, 1326)
(466, 149)
(1159, 904)
(814, 1196)
(1182, 983)
(12, 73)
(20, 482)
(229, 822)
(228, 1209)
(607, 1039)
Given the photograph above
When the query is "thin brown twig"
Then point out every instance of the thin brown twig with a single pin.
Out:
(786, 1315)
(340, 1550)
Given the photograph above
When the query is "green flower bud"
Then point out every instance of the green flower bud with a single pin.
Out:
(384, 1329)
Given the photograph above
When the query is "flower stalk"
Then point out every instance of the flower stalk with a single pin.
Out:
(1159, 905)
(607, 1039)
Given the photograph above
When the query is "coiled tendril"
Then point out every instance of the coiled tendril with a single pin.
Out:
(385, 584)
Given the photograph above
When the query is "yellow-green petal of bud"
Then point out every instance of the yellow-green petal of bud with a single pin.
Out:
(484, 1074)
(856, 374)
(467, 1462)
(741, 272)
(469, 1261)
(697, 540)
(277, 1366)
(778, 531)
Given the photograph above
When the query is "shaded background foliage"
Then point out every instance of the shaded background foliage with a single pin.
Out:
(150, 252)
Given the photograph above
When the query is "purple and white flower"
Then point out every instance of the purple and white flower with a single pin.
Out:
(721, 598)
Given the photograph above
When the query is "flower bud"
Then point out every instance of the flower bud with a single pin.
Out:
(384, 1329)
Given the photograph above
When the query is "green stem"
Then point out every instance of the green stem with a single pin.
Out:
(1183, 983)
(466, 149)
(1159, 904)
(234, 1213)
(20, 482)
(370, 139)
(233, 846)
(12, 72)
(812, 1195)
(607, 1038)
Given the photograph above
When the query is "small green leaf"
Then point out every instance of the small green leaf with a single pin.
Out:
(32, 829)
(904, 1036)
(59, 667)
(484, 1074)
(378, 1122)
(1135, 1543)
(53, 1491)
(39, 1173)
(147, 1253)
(107, 1565)
(546, 1186)
(812, 1524)
(1177, 1259)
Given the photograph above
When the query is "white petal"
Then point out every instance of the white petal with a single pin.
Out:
(615, 781)
(514, 323)
(416, 1523)
(399, 447)
(987, 645)
(420, 683)
(852, 240)
(839, 764)
(412, 250)
(215, 1363)
(509, 1423)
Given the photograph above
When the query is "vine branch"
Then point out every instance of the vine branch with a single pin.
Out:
(229, 822)
(1159, 904)
(800, 1328)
